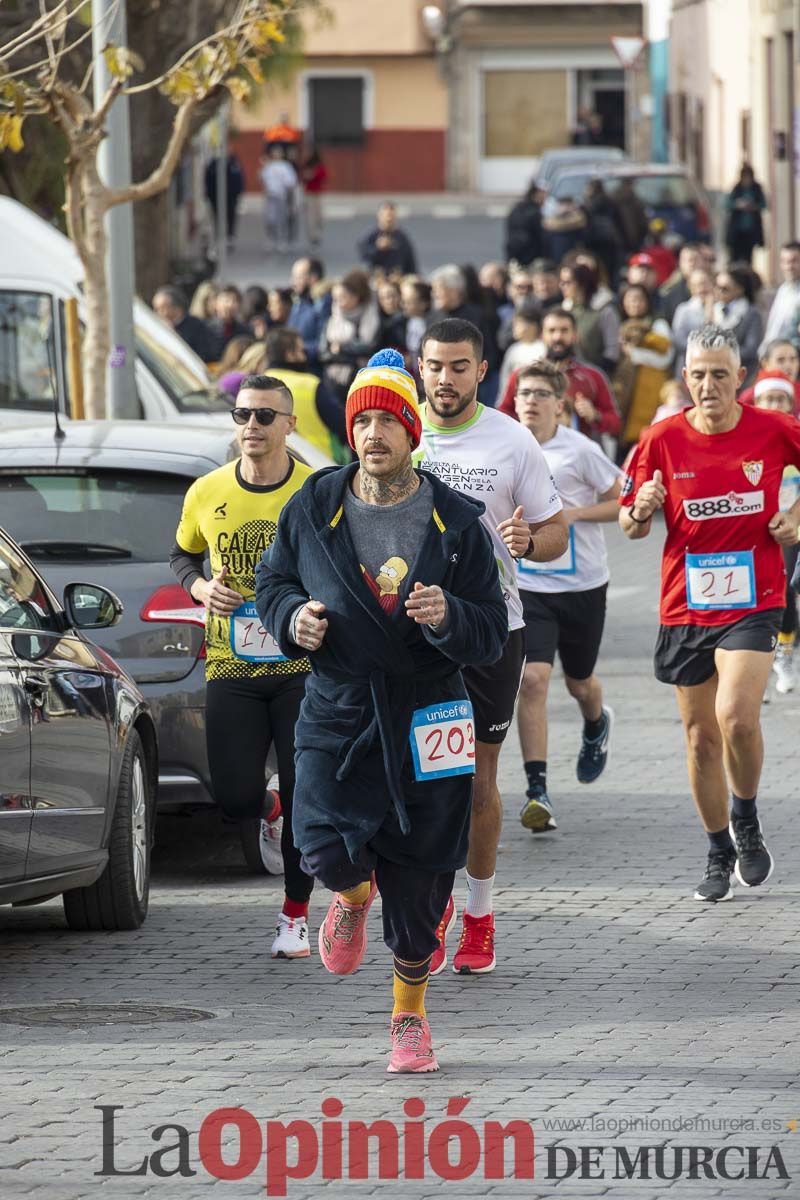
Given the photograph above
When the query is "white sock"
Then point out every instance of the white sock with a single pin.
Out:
(479, 896)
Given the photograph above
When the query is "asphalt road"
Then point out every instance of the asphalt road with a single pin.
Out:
(443, 229)
(622, 1014)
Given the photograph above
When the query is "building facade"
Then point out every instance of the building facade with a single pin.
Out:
(459, 95)
(734, 94)
(519, 75)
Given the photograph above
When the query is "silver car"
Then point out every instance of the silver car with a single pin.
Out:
(103, 504)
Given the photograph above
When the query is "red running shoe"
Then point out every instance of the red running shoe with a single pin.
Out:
(439, 956)
(475, 953)
(412, 1052)
(343, 933)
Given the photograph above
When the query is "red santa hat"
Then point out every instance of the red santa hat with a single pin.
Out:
(773, 381)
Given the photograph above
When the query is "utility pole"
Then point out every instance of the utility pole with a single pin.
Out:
(222, 192)
(109, 24)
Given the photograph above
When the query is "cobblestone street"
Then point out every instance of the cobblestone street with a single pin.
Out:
(616, 997)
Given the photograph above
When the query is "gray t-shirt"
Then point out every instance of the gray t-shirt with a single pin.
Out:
(387, 539)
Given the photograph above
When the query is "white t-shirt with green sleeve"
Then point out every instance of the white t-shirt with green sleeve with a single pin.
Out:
(491, 457)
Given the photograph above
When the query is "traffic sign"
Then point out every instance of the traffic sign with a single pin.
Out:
(628, 49)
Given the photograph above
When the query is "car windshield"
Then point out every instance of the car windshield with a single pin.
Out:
(90, 515)
(188, 390)
(660, 191)
(572, 186)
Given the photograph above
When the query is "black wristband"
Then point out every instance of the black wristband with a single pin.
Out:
(639, 520)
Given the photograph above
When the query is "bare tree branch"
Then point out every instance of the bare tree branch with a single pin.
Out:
(101, 112)
(160, 177)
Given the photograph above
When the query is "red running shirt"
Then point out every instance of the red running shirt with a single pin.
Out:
(720, 562)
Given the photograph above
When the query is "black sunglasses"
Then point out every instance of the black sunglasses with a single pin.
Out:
(264, 416)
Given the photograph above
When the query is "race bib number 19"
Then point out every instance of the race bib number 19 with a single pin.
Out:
(249, 640)
(443, 740)
(724, 580)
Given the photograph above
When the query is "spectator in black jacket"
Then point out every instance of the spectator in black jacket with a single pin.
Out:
(524, 228)
(226, 323)
(387, 247)
(171, 305)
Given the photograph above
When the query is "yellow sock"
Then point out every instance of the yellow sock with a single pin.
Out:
(358, 895)
(785, 639)
(408, 986)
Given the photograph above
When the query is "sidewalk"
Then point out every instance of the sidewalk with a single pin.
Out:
(616, 998)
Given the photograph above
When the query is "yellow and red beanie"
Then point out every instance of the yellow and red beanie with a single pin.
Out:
(385, 383)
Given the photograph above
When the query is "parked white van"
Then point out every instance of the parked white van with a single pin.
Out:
(39, 271)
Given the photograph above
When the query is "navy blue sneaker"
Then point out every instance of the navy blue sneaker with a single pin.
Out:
(716, 883)
(753, 860)
(593, 754)
(536, 813)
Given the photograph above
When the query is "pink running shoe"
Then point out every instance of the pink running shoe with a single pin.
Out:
(439, 956)
(412, 1052)
(343, 933)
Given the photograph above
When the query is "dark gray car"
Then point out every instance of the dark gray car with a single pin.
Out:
(78, 755)
(103, 504)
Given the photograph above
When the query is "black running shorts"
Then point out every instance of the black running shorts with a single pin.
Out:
(493, 690)
(684, 654)
(568, 622)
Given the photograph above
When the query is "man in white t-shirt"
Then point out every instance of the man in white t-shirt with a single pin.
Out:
(564, 602)
(484, 454)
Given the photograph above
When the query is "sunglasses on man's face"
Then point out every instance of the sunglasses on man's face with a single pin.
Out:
(264, 416)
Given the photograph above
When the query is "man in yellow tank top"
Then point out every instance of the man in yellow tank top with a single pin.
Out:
(253, 692)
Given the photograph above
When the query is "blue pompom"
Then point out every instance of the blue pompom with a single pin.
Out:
(387, 358)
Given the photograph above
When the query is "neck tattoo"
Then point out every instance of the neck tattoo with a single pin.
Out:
(388, 491)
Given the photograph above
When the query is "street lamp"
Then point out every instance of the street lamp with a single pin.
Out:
(435, 23)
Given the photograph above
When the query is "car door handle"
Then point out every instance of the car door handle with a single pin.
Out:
(36, 687)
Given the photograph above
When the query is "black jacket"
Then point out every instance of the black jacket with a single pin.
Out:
(355, 777)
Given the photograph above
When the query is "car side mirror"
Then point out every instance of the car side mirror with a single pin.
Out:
(89, 606)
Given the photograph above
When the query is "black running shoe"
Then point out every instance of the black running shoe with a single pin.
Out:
(716, 883)
(536, 813)
(753, 860)
(593, 754)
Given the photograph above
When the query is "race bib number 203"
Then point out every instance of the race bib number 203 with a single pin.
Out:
(443, 740)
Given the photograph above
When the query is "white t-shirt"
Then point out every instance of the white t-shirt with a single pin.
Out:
(582, 474)
(278, 177)
(492, 458)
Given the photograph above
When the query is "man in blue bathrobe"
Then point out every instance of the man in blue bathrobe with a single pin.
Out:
(386, 579)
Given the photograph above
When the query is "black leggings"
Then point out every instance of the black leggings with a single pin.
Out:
(243, 719)
(789, 622)
(413, 898)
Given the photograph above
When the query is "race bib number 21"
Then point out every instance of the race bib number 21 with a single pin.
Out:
(724, 580)
(443, 740)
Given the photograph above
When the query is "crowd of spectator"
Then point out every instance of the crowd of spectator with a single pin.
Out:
(615, 309)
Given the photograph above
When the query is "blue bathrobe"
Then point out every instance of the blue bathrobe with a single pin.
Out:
(355, 772)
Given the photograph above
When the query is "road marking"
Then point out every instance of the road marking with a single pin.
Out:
(447, 212)
(496, 210)
(339, 212)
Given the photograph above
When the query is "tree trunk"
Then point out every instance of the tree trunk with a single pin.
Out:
(97, 343)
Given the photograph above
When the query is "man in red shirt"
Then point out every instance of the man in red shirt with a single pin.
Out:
(716, 470)
(594, 408)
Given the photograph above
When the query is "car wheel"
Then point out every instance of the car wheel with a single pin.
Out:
(119, 898)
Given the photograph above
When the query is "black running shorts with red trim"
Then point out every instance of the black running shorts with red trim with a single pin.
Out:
(493, 690)
(684, 654)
